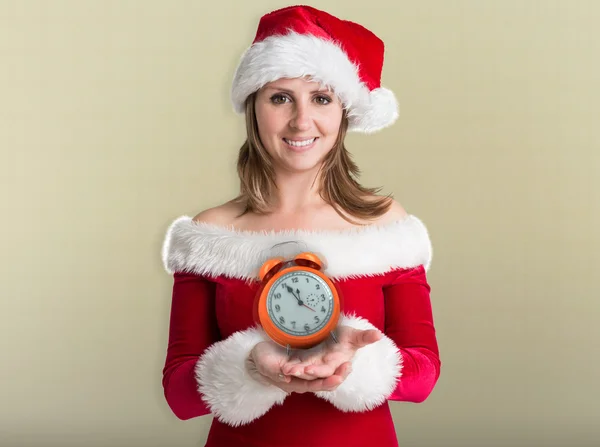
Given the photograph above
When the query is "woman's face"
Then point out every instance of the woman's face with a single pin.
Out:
(298, 122)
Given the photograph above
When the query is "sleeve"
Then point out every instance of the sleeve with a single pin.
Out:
(404, 365)
(206, 374)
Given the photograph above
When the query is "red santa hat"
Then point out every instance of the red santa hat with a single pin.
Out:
(300, 41)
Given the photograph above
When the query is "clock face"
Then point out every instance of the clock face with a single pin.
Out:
(300, 303)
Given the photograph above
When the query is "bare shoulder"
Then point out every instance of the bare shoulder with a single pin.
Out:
(395, 212)
(223, 214)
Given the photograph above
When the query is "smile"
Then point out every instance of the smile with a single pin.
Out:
(301, 143)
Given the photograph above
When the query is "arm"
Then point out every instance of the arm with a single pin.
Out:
(404, 365)
(192, 329)
(409, 323)
(204, 374)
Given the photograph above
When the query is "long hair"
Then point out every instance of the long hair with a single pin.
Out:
(338, 174)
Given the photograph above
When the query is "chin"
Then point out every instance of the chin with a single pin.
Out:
(301, 168)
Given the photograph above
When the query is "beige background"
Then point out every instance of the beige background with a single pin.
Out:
(114, 120)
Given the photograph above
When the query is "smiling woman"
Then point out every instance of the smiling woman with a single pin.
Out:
(307, 80)
(297, 125)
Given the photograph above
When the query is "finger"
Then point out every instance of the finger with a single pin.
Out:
(283, 378)
(344, 370)
(300, 373)
(320, 371)
(270, 367)
(291, 366)
(364, 338)
(266, 368)
(331, 383)
(297, 385)
(341, 373)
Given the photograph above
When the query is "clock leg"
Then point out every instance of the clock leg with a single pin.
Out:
(335, 339)
(288, 350)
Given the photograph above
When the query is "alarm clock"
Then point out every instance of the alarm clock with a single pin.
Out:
(298, 306)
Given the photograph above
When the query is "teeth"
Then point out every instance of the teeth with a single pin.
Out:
(299, 143)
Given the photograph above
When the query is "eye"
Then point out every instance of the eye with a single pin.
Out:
(323, 100)
(279, 99)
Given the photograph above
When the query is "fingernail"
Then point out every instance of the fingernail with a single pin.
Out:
(310, 371)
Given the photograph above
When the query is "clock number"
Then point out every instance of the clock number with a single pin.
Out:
(282, 320)
(277, 307)
(284, 286)
(294, 279)
(306, 327)
(317, 319)
(306, 279)
(317, 286)
(322, 297)
(293, 325)
(277, 296)
(323, 309)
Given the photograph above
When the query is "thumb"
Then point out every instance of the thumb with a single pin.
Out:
(363, 338)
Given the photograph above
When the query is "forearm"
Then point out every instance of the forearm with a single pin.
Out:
(419, 374)
(181, 390)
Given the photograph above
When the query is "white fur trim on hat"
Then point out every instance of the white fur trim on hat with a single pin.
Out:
(213, 250)
(232, 395)
(376, 369)
(298, 55)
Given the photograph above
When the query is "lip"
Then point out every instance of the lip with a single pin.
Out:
(300, 149)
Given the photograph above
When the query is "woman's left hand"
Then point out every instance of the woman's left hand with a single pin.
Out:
(325, 361)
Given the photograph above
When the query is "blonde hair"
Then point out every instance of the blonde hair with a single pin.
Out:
(338, 173)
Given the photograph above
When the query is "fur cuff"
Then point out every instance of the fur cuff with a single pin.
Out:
(376, 369)
(232, 395)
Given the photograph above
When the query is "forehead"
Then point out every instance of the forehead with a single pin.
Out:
(297, 84)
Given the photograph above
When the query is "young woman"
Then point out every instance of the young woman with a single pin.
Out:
(307, 79)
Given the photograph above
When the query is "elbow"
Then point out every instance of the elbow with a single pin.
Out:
(416, 393)
(183, 398)
(417, 385)
(421, 395)
(427, 384)
(177, 408)
(183, 409)
(181, 413)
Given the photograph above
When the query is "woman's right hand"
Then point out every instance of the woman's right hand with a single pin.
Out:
(265, 364)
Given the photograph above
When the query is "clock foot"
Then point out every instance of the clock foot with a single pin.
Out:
(335, 339)
(288, 350)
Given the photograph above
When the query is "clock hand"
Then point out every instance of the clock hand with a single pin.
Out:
(300, 302)
(289, 289)
(298, 292)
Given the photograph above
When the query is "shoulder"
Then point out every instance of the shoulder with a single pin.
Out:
(394, 213)
(223, 214)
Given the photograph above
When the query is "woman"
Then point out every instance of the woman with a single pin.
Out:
(307, 79)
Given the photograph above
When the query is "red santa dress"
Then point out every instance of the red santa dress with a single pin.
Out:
(379, 270)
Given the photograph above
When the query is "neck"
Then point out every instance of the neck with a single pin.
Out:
(296, 192)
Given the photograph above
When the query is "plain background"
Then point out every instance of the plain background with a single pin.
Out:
(115, 119)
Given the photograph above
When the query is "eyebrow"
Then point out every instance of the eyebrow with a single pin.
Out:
(291, 92)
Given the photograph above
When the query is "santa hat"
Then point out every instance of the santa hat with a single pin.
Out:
(300, 41)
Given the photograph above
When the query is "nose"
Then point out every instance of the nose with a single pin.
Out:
(301, 119)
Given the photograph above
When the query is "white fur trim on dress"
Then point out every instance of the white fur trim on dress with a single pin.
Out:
(298, 55)
(232, 395)
(213, 250)
(376, 369)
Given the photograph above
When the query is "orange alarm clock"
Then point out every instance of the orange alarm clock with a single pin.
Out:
(298, 305)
